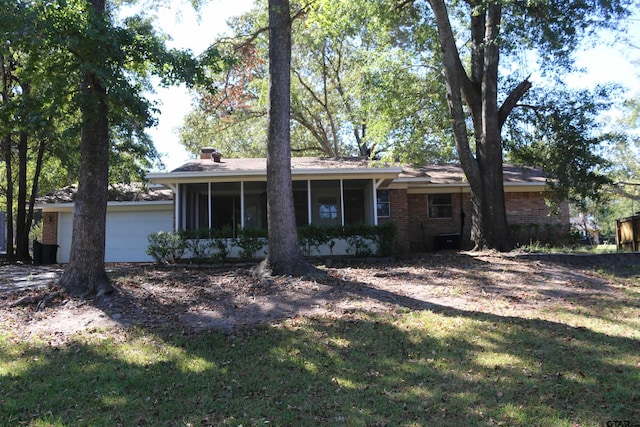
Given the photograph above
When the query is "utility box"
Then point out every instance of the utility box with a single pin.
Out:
(44, 254)
(446, 242)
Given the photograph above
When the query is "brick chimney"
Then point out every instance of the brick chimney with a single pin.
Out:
(210, 153)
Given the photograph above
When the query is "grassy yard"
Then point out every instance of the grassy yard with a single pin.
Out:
(447, 367)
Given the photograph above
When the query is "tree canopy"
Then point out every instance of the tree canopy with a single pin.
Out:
(353, 91)
(73, 82)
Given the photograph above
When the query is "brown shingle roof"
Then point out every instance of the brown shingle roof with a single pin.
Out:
(117, 193)
(260, 164)
(453, 174)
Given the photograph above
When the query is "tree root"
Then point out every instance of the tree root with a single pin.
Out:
(39, 302)
(265, 271)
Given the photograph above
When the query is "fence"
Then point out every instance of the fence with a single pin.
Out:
(628, 233)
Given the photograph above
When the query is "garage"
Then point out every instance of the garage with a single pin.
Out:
(128, 226)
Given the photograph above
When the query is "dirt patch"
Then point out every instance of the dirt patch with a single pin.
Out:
(228, 297)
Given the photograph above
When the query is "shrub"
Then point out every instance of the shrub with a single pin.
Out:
(250, 241)
(166, 247)
(312, 237)
(221, 242)
(198, 244)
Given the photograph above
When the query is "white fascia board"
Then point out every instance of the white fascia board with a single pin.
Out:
(261, 175)
(520, 187)
(528, 187)
(111, 206)
(189, 177)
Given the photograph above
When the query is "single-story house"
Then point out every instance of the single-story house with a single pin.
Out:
(430, 205)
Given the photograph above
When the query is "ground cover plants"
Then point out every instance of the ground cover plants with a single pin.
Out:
(474, 340)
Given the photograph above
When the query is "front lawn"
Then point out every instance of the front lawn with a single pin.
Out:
(574, 365)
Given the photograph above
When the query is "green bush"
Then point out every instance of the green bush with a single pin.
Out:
(199, 244)
(250, 241)
(166, 247)
(208, 245)
(311, 237)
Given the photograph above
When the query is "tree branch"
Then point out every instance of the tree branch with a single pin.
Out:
(512, 100)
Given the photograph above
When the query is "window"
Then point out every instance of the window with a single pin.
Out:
(326, 203)
(440, 206)
(384, 207)
(327, 209)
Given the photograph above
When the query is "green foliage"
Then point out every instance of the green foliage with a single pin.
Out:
(313, 237)
(353, 92)
(250, 241)
(166, 247)
(360, 238)
(198, 244)
(50, 44)
(210, 245)
(566, 141)
(221, 242)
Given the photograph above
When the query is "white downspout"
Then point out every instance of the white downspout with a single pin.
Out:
(374, 186)
(242, 205)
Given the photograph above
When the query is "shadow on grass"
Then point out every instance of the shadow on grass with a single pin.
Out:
(440, 366)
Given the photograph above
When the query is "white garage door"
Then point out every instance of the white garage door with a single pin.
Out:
(126, 233)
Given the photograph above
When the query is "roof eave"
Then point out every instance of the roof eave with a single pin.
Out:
(296, 173)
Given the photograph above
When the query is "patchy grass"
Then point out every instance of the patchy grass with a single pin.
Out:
(527, 344)
(402, 368)
(575, 249)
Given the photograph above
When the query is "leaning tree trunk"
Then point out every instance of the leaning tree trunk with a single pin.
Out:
(85, 274)
(284, 256)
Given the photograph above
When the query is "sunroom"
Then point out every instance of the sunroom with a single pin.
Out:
(214, 193)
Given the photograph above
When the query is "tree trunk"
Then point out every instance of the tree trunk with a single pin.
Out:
(484, 169)
(9, 176)
(22, 230)
(8, 158)
(284, 256)
(85, 274)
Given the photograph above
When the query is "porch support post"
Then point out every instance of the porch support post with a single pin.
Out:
(374, 191)
(242, 204)
(209, 202)
(309, 204)
(341, 203)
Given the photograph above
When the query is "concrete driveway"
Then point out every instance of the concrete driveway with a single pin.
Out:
(19, 277)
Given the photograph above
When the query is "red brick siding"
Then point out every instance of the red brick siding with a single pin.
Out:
(523, 210)
(530, 218)
(423, 230)
(399, 214)
(50, 228)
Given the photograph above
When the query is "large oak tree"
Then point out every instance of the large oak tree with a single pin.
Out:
(478, 105)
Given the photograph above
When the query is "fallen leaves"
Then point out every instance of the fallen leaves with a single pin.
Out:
(228, 297)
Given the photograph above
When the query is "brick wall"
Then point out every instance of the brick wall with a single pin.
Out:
(531, 219)
(423, 230)
(399, 210)
(527, 213)
(50, 228)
